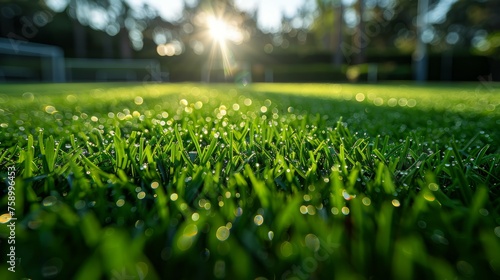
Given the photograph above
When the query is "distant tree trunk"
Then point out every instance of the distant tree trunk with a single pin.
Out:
(447, 65)
(125, 49)
(494, 7)
(420, 56)
(358, 39)
(338, 34)
(107, 46)
(495, 69)
(80, 39)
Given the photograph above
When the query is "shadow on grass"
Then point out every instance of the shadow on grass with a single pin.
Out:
(364, 118)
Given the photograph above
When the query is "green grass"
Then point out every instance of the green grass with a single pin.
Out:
(273, 181)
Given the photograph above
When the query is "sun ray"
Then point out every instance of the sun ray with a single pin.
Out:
(221, 33)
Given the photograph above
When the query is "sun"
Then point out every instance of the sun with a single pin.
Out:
(224, 34)
(219, 30)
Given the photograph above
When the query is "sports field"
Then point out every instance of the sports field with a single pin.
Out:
(265, 181)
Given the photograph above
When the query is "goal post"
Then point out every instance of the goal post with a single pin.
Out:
(52, 57)
(32, 61)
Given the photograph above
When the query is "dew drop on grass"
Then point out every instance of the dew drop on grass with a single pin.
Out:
(438, 237)
(174, 197)
(392, 102)
(396, 203)
(311, 210)
(141, 195)
(198, 105)
(207, 205)
(29, 96)
(139, 224)
(433, 187)
(195, 217)
(222, 233)
(366, 201)
(238, 211)
(50, 109)
(49, 201)
(378, 101)
(312, 242)
(155, 185)
(258, 220)
(360, 97)
(270, 235)
(303, 209)
(79, 205)
(484, 212)
(5, 218)
(497, 231)
(345, 210)
(120, 202)
(183, 206)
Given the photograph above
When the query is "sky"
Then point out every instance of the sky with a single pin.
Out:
(269, 13)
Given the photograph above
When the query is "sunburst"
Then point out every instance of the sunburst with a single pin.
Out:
(222, 32)
(218, 29)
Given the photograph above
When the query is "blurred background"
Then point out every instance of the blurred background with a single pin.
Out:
(247, 41)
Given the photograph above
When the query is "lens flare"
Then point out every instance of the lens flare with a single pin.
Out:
(220, 54)
(218, 29)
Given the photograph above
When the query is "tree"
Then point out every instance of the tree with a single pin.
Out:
(328, 27)
(359, 36)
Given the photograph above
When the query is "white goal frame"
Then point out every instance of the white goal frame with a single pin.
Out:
(52, 57)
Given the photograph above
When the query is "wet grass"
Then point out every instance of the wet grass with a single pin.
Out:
(272, 181)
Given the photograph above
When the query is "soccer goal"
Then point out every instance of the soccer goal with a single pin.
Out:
(146, 70)
(31, 61)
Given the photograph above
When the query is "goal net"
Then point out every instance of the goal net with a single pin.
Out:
(22, 60)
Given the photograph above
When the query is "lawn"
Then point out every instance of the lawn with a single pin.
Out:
(266, 181)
